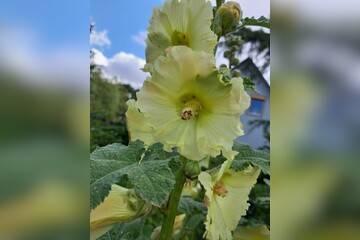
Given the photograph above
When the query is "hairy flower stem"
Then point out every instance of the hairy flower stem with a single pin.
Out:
(215, 49)
(172, 207)
(218, 4)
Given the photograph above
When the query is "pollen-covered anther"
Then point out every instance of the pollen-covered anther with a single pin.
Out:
(186, 114)
(219, 189)
(192, 108)
(206, 201)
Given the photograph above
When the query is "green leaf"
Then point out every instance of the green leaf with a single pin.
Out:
(151, 177)
(225, 74)
(249, 85)
(261, 22)
(247, 155)
(195, 215)
(125, 231)
(187, 205)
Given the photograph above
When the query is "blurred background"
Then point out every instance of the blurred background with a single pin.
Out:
(44, 119)
(315, 157)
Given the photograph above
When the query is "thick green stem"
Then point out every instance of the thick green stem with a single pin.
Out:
(172, 207)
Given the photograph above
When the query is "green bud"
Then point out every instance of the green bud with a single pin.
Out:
(234, 48)
(235, 62)
(227, 18)
(227, 54)
(228, 42)
(192, 169)
(223, 66)
(236, 73)
(136, 204)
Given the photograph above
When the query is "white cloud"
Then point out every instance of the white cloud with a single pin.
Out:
(99, 58)
(140, 38)
(124, 67)
(23, 54)
(99, 38)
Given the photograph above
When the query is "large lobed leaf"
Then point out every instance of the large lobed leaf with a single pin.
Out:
(148, 171)
(247, 155)
(126, 231)
(261, 22)
(188, 206)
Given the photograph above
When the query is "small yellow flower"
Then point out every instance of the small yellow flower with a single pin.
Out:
(185, 22)
(226, 197)
(120, 205)
(185, 105)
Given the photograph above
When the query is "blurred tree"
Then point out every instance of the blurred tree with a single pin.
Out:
(258, 42)
(107, 109)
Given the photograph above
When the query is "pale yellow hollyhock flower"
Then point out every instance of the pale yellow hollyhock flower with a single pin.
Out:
(120, 205)
(185, 22)
(227, 193)
(137, 125)
(187, 106)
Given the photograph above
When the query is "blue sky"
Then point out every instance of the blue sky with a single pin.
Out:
(46, 42)
(122, 19)
(56, 22)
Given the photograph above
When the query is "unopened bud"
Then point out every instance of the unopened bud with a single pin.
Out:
(235, 62)
(192, 169)
(227, 18)
(120, 205)
(236, 73)
(227, 54)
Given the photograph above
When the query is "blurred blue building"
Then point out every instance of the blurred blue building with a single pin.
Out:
(258, 114)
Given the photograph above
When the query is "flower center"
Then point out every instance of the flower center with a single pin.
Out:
(220, 190)
(179, 38)
(192, 108)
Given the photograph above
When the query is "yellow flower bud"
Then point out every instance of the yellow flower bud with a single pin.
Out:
(227, 18)
(119, 206)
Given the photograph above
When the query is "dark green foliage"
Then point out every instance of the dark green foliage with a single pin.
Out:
(247, 155)
(259, 210)
(258, 40)
(259, 44)
(261, 22)
(133, 230)
(151, 176)
(193, 224)
(107, 111)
